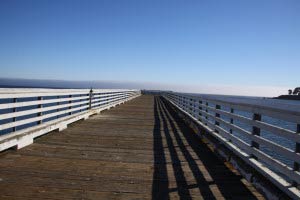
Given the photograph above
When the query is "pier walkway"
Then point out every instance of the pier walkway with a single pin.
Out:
(138, 150)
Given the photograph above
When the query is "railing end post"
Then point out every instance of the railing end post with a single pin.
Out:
(90, 98)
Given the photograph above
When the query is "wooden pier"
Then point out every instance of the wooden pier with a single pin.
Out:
(139, 150)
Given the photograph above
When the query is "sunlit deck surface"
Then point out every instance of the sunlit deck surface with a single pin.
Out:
(139, 150)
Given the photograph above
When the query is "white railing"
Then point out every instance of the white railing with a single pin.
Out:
(29, 113)
(248, 131)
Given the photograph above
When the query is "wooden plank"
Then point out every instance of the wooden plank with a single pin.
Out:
(140, 150)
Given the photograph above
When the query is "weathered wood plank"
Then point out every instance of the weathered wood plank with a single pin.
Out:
(138, 150)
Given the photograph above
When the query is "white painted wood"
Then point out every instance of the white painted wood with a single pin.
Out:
(243, 150)
(267, 127)
(35, 119)
(284, 114)
(272, 145)
(23, 92)
(37, 102)
(37, 110)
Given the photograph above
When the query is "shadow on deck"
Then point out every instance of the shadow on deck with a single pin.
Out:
(139, 150)
(212, 177)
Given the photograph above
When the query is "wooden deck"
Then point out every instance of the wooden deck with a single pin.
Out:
(139, 150)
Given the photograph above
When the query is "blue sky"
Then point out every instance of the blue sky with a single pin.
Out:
(211, 43)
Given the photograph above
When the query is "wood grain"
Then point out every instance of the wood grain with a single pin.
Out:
(139, 150)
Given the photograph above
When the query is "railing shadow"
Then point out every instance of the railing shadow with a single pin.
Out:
(160, 177)
(181, 182)
(204, 189)
(228, 183)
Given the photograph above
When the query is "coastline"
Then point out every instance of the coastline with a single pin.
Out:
(288, 97)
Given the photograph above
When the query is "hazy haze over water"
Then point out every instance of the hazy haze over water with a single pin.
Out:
(263, 91)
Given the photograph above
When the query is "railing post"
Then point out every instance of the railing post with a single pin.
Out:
(181, 102)
(90, 97)
(106, 98)
(217, 115)
(206, 117)
(40, 106)
(14, 110)
(200, 109)
(191, 106)
(255, 130)
(57, 110)
(194, 107)
(231, 122)
(80, 101)
(186, 102)
(297, 150)
(70, 107)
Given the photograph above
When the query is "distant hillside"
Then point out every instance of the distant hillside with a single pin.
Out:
(288, 97)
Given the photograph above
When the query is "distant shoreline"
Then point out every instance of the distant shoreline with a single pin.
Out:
(288, 97)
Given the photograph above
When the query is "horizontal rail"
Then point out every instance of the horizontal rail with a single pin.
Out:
(38, 110)
(37, 102)
(24, 93)
(224, 119)
(23, 112)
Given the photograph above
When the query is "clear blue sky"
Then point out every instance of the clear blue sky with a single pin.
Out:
(232, 42)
